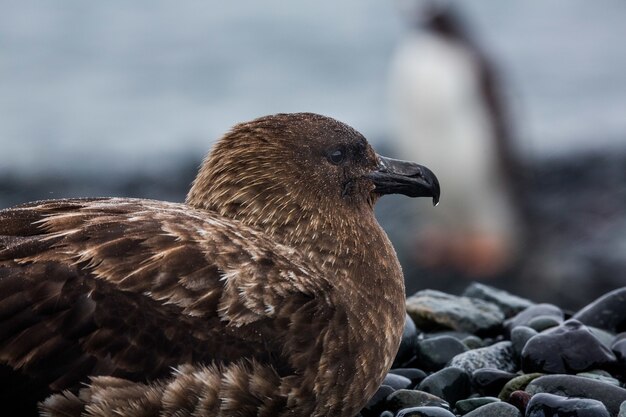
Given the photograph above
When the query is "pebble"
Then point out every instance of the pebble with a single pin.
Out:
(415, 375)
(461, 351)
(495, 410)
(397, 381)
(452, 384)
(435, 309)
(470, 404)
(405, 398)
(489, 381)
(568, 348)
(509, 304)
(406, 351)
(518, 383)
(519, 336)
(424, 412)
(378, 402)
(524, 317)
(434, 353)
(548, 405)
(497, 356)
(607, 312)
(577, 386)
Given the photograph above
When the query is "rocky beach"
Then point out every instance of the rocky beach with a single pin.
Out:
(487, 353)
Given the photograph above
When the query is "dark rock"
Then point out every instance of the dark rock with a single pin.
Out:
(607, 312)
(519, 336)
(406, 351)
(434, 353)
(576, 386)
(568, 348)
(473, 342)
(547, 405)
(517, 384)
(520, 400)
(432, 309)
(405, 398)
(424, 412)
(489, 381)
(495, 410)
(509, 304)
(470, 404)
(601, 376)
(452, 384)
(377, 403)
(525, 316)
(415, 375)
(396, 381)
(387, 413)
(541, 323)
(498, 356)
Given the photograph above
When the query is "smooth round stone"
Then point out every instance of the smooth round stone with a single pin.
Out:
(605, 337)
(451, 384)
(415, 375)
(622, 410)
(619, 350)
(509, 304)
(568, 348)
(607, 312)
(397, 381)
(406, 398)
(518, 383)
(497, 356)
(490, 381)
(424, 412)
(548, 405)
(576, 386)
(500, 409)
(525, 316)
(601, 376)
(519, 336)
(473, 342)
(520, 400)
(377, 403)
(434, 353)
(436, 309)
(406, 351)
(541, 323)
(387, 413)
(470, 404)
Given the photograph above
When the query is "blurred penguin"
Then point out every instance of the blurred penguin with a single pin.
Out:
(446, 109)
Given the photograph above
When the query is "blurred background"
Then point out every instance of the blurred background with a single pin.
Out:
(520, 109)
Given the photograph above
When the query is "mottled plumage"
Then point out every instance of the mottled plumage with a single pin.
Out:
(271, 292)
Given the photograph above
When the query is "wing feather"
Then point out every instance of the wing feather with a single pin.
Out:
(130, 288)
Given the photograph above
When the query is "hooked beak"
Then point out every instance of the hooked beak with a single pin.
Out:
(401, 177)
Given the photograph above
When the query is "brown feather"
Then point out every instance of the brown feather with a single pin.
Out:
(259, 292)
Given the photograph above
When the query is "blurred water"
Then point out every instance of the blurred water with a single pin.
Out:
(116, 85)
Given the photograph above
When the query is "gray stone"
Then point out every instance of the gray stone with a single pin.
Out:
(500, 409)
(396, 381)
(524, 317)
(498, 356)
(518, 383)
(622, 410)
(601, 376)
(607, 312)
(452, 384)
(436, 309)
(407, 398)
(519, 336)
(544, 404)
(509, 304)
(434, 353)
(568, 348)
(470, 404)
(577, 386)
(541, 323)
(424, 412)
